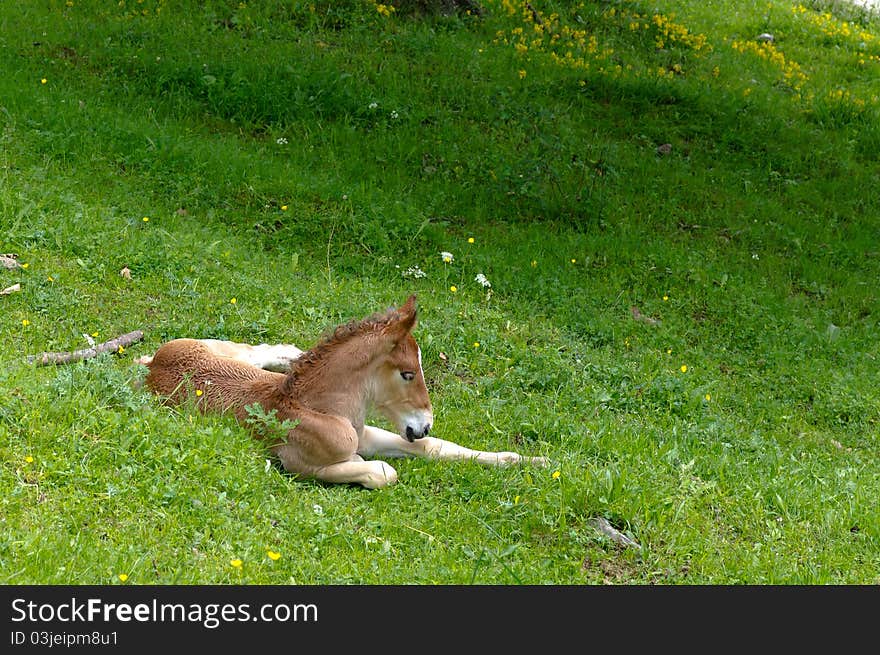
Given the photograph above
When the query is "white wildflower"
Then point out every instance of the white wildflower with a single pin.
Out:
(414, 272)
(374, 105)
(446, 257)
(281, 141)
(394, 115)
(481, 279)
(317, 509)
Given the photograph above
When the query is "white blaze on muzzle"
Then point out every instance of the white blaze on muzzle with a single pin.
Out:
(416, 424)
(412, 415)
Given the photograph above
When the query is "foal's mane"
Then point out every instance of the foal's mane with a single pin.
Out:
(331, 340)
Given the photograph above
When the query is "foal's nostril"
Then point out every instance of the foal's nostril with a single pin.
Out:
(412, 435)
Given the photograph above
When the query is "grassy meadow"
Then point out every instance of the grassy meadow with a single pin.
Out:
(678, 218)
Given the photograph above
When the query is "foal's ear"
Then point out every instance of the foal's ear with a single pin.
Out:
(409, 307)
(404, 321)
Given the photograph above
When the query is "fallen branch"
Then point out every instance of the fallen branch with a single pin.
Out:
(87, 353)
(9, 261)
(637, 315)
(602, 526)
(535, 15)
(12, 289)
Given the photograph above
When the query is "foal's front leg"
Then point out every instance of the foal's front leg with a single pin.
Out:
(322, 446)
(376, 441)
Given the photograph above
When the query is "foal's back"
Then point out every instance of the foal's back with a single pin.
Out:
(187, 368)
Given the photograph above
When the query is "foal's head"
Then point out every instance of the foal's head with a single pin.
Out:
(398, 389)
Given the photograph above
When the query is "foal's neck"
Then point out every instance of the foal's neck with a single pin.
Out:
(337, 382)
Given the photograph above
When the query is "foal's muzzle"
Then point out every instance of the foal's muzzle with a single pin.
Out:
(412, 435)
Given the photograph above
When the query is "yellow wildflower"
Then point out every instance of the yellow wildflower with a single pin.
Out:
(556, 475)
(684, 368)
(123, 577)
(232, 301)
(273, 555)
(385, 10)
(236, 563)
(453, 288)
(29, 460)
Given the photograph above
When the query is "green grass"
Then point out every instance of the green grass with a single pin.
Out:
(302, 162)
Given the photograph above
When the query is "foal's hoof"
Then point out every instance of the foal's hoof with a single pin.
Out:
(508, 459)
(380, 475)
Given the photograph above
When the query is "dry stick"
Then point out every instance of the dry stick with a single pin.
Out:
(535, 15)
(9, 261)
(87, 353)
(637, 315)
(602, 526)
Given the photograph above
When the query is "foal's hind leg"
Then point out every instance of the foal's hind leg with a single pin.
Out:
(376, 441)
(272, 357)
(277, 357)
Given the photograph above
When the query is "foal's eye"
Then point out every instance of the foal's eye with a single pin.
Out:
(407, 375)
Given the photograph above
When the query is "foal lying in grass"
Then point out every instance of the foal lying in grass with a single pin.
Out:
(326, 392)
